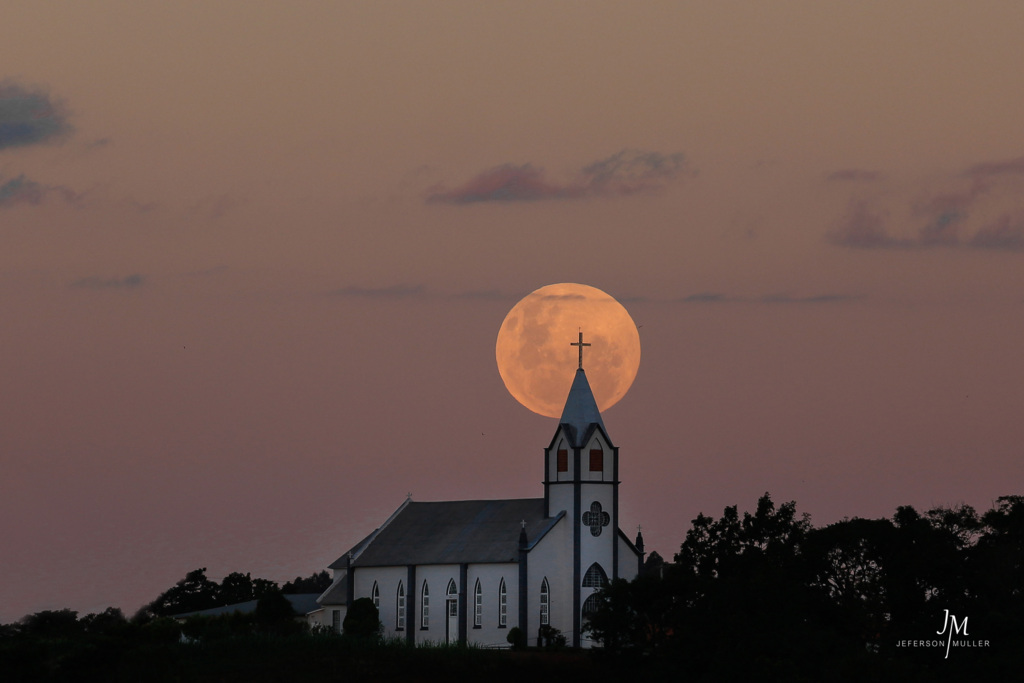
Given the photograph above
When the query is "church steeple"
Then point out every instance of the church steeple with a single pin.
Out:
(581, 481)
(580, 409)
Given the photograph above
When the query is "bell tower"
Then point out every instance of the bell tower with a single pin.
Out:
(581, 478)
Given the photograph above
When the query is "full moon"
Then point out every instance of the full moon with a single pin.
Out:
(537, 358)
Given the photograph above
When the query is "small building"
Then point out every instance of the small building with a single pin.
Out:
(468, 571)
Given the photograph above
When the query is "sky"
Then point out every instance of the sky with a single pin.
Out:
(254, 258)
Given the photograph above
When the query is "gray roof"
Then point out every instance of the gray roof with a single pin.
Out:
(302, 603)
(337, 593)
(452, 532)
(581, 408)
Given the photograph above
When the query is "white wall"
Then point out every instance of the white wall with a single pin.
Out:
(490, 575)
(437, 578)
(387, 581)
(552, 558)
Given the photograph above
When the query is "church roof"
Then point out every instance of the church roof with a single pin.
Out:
(452, 532)
(337, 593)
(580, 409)
(302, 603)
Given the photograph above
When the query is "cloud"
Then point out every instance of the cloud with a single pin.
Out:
(393, 292)
(704, 298)
(625, 173)
(717, 298)
(507, 183)
(29, 117)
(864, 227)
(993, 168)
(816, 299)
(22, 190)
(979, 208)
(127, 282)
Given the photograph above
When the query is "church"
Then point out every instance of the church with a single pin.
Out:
(469, 571)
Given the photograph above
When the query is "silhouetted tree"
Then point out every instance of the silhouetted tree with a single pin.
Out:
(654, 565)
(315, 583)
(362, 620)
(51, 624)
(194, 592)
(110, 621)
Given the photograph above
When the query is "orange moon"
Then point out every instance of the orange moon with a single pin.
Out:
(536, 358)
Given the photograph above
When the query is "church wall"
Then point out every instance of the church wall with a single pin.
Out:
(387, 579)
(551, 558)
(598, 548)
(437, 577)
(490, 576)
(628, 562)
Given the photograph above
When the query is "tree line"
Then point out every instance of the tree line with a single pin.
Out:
(768, 593)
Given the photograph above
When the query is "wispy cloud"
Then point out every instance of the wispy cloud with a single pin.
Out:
(979, 208)
(625, 173)
(127, 282)
(22, 190)
(704, 298)
(814, 299)
(719, 298)
(29, 117)
(393, 292)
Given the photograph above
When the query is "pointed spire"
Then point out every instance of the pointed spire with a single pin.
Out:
(580, 409)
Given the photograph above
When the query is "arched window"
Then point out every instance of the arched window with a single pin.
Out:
(595, 577)
(478, 605)
(590, 606)
(375, 596)
(453, 590)
(545, 603)
(425, 607)
(400, 608)
(502, 605)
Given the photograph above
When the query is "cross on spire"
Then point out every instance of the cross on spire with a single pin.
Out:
(580, 344)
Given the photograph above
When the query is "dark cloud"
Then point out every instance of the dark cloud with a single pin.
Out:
(853, 174)
(1005, 233)
(126, 282)
(816, 299)
(704, 298)
(994, 168)
(507, 183)
(625, 173)
(716, 298)
(22, 190)
(980, 208)
(29, 117)
(393, 292)
(563, 297)
(864, 228)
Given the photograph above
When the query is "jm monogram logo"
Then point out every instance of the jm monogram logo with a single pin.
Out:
(949, 621)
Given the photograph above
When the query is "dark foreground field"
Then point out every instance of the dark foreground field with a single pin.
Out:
(266, 659)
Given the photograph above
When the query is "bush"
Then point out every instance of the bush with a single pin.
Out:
(517, 638)
(362, 620)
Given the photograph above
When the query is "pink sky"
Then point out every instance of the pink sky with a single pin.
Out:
(254, 258)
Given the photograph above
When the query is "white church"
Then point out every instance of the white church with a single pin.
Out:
(468, 571)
